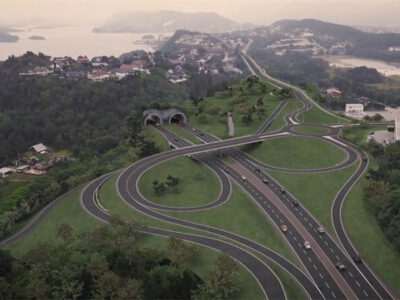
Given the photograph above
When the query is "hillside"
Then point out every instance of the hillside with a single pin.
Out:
(166, 21)
(320, 37)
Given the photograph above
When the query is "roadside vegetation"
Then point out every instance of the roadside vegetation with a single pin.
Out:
(280, 122)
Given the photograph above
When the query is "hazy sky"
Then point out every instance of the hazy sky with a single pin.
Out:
(94, 12)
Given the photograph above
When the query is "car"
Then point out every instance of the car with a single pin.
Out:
(357, 259)
(176, 139)
(243, 177)
(226, 170)
(364, 158)
(194, 129)
(157, 124)
(371, 133)
(295, 203)
(284, 228)
(321, 230)
(265, 181)
(202, 134)
(282, 190)
(307, 245)
(258, 170)
(340, 266)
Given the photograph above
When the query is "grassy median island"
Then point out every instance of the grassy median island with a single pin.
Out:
(279, 122)
(316, 115)
(295, 152)
(310, 129)
(197, 184)
(316, 191)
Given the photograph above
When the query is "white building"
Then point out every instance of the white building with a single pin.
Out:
(397, 128)
(39, 148)
(4, 172)
(354, 109)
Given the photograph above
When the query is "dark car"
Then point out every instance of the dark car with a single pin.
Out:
(340, 266)
(295, 203)
(258, 170)
(282, 190)
(357, 259)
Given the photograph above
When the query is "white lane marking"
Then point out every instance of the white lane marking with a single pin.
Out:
(331, 250)
(351, 274)
(365, 293)
(358, 283)
(309, 258)
(327, 137)
(337, 257)
(333, 294)
(320, 275)
(295, 238)
(327, 285)
(325, 243)
(315, 267)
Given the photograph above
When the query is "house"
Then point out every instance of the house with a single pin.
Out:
(334, 93)
(23, 169)
(83, 60)
(4, 172)
(354, 108)
(99, 75)
(121, 73)
(39, 148)
(74, 75)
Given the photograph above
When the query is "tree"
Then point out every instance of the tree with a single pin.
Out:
(172, 182)
(65, 232)
(247, 120)
(180, 254)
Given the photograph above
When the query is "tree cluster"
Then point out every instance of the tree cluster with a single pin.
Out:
(171, 183)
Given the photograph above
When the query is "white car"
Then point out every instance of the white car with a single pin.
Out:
(243, 177)
(321, 230)
(307, 245)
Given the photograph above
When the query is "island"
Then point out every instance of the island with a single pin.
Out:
(37, 38)
(8, 38)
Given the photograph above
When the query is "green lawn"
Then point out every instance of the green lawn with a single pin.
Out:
(296, 152)
(368, 238)
(310, 129)
(315, 191)
(315, 115)
(279, 122)
(197, 184)
(67, 211)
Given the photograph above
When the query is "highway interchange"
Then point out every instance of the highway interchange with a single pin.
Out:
(318, 276)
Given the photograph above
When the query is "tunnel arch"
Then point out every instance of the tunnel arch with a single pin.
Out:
(153, 120)
(169, 116)
(177, 117)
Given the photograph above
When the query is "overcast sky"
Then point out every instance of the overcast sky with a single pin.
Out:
(262, 12)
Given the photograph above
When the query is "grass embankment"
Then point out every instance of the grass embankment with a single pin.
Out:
(315, 191)
(279, 122)
(182, 133)
(197, 185)
(361, 225)
(364, 232)
(296, 152)
(310, 129)
(156, 137)
(315, 115)
(240, 100)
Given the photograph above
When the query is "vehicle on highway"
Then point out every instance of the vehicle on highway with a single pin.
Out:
(258, 170)
(364, 158)
(226, 170)
(340, 266)
(307, 245)
(284, 228)
(176, 139)
(321, 230)
(357, 259)
(295, 203)
(201, 133)
(243, 177)
(265, 181)
(282, 190)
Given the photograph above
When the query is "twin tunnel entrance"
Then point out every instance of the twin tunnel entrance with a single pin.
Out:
(169, 116)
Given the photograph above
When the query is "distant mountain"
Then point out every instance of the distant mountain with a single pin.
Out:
(168, 21)
(6, 37)
(329, 38)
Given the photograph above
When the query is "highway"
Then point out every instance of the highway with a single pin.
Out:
(318, 276)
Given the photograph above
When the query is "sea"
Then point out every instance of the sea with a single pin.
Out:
(74, 41)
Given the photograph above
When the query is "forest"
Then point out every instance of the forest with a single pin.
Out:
(108, 262)
(383, 190)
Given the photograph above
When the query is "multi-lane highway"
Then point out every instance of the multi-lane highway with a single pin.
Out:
(318, 276)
